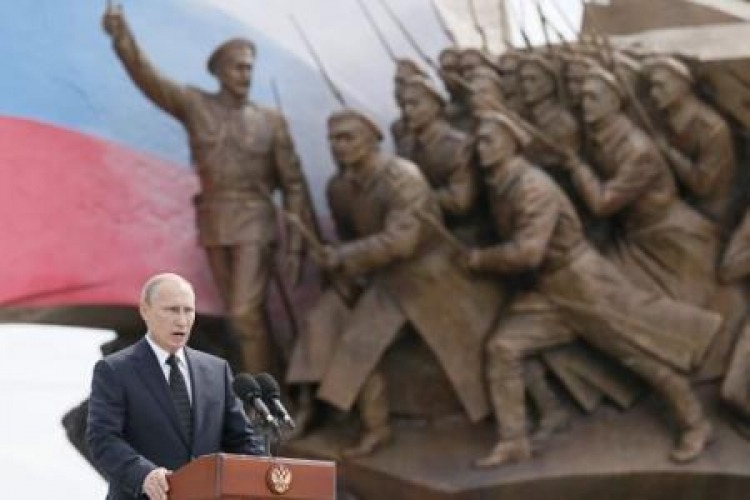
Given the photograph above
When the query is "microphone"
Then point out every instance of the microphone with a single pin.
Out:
(248, 390)
(271, 393)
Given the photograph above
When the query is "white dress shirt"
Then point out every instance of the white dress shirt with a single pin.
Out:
(162, 356)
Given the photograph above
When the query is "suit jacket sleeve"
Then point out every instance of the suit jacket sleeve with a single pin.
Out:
(121, 464)
(238, 436)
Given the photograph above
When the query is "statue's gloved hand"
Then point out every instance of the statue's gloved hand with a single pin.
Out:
(114, 21)
(472, 259)
(328, 258)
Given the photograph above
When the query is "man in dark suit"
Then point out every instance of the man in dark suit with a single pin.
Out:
(158, 404)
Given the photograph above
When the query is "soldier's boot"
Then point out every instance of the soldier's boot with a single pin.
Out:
(304, 414)
(507, 394)
(553, 416)
(693, 441)
(696, 431)
(506, 452)
(373, 410)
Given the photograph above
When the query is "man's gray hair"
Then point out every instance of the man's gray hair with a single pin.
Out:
(150, 287)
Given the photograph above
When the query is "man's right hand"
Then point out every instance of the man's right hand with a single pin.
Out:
(155, 486)
(114, 21)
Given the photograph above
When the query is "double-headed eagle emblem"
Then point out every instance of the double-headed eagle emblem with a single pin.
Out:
(278, 479)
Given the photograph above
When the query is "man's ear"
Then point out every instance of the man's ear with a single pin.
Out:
(143, 309)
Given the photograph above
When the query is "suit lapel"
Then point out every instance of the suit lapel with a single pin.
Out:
(153, 377)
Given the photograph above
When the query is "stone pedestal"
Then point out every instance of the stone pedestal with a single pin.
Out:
(610, 455)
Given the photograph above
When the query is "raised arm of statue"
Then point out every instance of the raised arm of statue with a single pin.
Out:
(168, 95)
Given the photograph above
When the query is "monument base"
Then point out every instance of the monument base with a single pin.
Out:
(612, 455)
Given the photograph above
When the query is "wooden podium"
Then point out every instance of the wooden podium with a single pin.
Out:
(242, 477)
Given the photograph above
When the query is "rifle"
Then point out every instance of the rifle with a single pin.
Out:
(643, 117)
(378, 33)
(443, 25)
(315, 244)
(319, 63)
(528, 127)
(477, 26)
(444, 234)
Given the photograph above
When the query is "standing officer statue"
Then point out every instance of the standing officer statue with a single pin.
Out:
(242, 153)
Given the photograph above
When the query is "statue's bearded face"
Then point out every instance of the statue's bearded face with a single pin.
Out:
(666, 87)
(351, 141)
(495, 144)
(598, 100)
(236, 72)
(420, 109)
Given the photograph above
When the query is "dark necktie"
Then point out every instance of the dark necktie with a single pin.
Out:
(180, 396)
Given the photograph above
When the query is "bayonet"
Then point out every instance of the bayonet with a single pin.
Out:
(319, 63)
(376, 29)
(477, 25)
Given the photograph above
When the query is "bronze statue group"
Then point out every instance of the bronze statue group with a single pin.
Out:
(552, 218)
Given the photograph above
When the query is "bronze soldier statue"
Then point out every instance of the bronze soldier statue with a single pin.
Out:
(486, 90)
(662, 244)
(541, 92)
(405, 69)
(575, 67)
(507, 69)
(587, 297)
(378, 203)
(242, 153)
(457, 111)
(441, 152)
(735, 389)
(471, 59)
(698, 142)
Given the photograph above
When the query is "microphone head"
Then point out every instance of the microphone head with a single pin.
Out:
(245, 387)
(268, 386)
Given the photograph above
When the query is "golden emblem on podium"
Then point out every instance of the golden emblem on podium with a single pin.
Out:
(279, 479)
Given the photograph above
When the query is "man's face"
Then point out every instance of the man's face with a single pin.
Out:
(236, 72)
(419, 108)
(536, 83)
(451, 71)
(666, 87)
(574, 82)
(485, 94)
(170, 314)
(598, 100)
(469, 62)
(508, 72)
(351, 142)
(495, 144)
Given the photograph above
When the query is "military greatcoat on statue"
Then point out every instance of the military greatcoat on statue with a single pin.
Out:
(410, 278)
